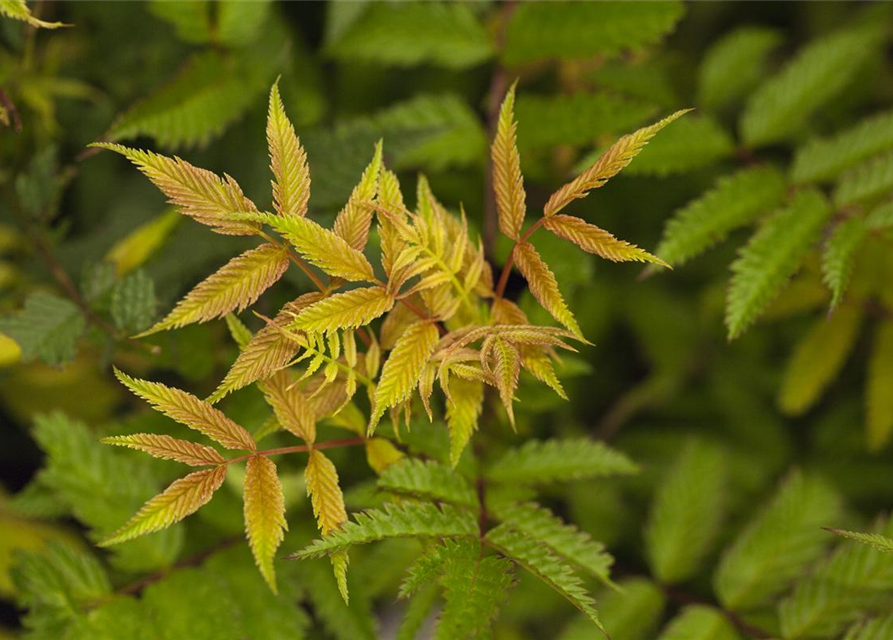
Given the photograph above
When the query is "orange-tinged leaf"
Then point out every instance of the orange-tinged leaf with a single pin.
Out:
(508, 183)
(348, 310)
(353, 221)
(325, 494)
(611, 162)
(168, 448)
(323, 248)
(403, 369)
(186, 409)
(593, 239)
(197, 193)
(288, 161)
(506, 369)
(264, 509)
(543, 285)
(268, 351)
(235, 286)
(183, 498)
(293, 411)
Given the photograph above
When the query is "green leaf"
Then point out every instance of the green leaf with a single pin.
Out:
(577, 119)
(874, 629)
(771, 257)
(539, 561)
(878, 399)
(47, 328)
(352, 622)
(556, 460)
(687, 144)
(734, 65)
(134, 303)
(406, 520)
(687, 512)
(86, 476)
(630, 613)
(880, 542)
(866, 183)
(208, 95)
(449, 132)
(825, 159)
(474, 588)
(735, 201)
(229, 22)
(54, 586)
(570, 30)
(564, 540)
(429, 481)
(855, 579)
(778, 545)
(699, 622)
(820, 72)
(817, 359)
(839, 255)
(412, 33)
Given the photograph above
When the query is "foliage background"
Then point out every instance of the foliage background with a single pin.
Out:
(663, 383)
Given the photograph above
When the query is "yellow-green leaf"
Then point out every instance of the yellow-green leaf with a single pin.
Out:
(593, 239)
(403, 369)
(353, 221)
(348, 310)
(168, 448)
(186, 409)
(325, 494)
(612, 161)
(183, 498)
(543, 285)
(508, 183)
(288, 161)
(197, 193)
(235, 286)
(264, 509)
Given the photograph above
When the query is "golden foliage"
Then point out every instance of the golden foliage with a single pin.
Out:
(183, 498)
(186, 409)
(592, 239)
(325, 494)
(403, 370)
(612, 161)
(264, 510)
(197, 193)
(348, 310)
(292, 409)
(463, 410)
(508, 184)
(353, 221)
(234, 287)
(543, 285)
(288, 161)
(168, 448)
(323, 248)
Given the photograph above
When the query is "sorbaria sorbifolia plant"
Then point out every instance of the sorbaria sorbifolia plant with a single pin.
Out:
(435, 318)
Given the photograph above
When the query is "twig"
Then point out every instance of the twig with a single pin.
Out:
(329, 444)
(13, 112)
